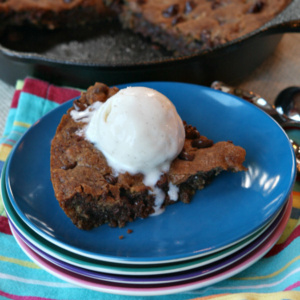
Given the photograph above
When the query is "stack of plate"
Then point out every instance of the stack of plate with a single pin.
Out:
(227, 227)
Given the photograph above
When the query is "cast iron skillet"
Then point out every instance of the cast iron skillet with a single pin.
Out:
(109, 54)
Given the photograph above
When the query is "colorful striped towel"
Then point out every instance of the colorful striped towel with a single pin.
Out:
(275, 276)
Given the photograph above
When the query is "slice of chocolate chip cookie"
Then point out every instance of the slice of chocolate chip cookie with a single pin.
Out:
(91, 193)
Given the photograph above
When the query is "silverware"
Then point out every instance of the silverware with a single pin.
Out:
(288, 102)
(280, 113)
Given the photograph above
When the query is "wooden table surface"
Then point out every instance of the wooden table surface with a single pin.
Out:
(279, 71)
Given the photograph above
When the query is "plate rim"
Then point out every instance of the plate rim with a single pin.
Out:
(216, 277)
(205, 269)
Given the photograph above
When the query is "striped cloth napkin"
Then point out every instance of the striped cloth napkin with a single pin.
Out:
(275, 276)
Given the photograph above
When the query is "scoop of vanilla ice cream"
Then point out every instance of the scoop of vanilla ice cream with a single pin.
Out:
(139, 131)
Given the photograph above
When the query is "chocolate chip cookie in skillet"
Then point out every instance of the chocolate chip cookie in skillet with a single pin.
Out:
(98, 178)
(52, 13)
(190, 26)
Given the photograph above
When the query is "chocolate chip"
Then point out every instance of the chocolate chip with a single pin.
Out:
(186, 156)
(216, 4)
(141, 2)
(191, 132)
(100, 88)
(79, 138)
(171, 11)
(189, 6)
(79, 106)
(97, 92)
(162, 183)
(111, 179)
(202, 143)
(71, 130)
(69, 166)
(256, 7)
(177, 20)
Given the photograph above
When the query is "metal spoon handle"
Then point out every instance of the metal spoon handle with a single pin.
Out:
(258, 101)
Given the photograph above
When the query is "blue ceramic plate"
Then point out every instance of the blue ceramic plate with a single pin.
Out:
(112, 270)
(225, 212)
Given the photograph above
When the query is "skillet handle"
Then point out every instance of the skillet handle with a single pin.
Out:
(287, 21)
